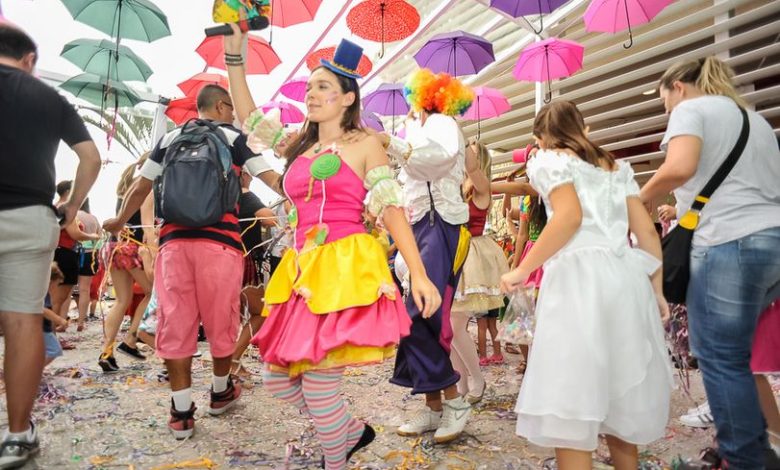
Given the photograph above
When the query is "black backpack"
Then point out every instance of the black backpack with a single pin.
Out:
(198, 184)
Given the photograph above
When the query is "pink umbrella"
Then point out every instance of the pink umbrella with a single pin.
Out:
(488, 103)
(611, 16)
(260, 57)
(290, 114)
(192, 86)
(295, 89)
(546, 60)
(286, 13)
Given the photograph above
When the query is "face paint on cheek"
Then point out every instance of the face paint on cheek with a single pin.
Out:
(331, 98)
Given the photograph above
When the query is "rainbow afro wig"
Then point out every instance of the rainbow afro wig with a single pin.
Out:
(437, 93)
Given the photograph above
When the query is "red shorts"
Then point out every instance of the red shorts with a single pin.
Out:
(765, 357)
(197, 281)
(125, 256)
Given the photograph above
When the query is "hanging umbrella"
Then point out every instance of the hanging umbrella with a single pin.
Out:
(488, 103)
(383, 21)
(100, 91)
(182, 110)
(518, 8)
(547, 60)
(192, 86)
(122, 19)
(295, 89)
(369, 119)
(102, 56)
(387, 100)
(260, 58)
(457, 53)
(611, 16)
(313, 60)
(286, 13)
(289, 113)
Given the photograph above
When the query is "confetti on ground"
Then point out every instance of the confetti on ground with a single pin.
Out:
(88, 420)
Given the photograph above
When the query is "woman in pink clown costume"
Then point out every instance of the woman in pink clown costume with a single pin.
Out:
(332, 301)
(599, 363)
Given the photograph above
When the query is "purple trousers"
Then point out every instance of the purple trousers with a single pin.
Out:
(423, 359)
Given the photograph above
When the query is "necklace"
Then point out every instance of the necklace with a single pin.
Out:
(318, 147)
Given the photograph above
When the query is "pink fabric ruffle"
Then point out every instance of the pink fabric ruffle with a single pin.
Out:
(292, 333)
(535, 278)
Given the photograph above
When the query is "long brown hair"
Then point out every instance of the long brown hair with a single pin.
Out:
(710, 75)
(128, 176)
(560, 125)
(310, 134)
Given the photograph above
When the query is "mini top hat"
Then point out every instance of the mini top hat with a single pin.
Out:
(345, 60)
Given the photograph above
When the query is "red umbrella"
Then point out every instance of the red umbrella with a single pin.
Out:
(192, 86)
(260, 59)
(182, 110)
(286, 13)
(289, 113)
(313, 61)
(383, 21)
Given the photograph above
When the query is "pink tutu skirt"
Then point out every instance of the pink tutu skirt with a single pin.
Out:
(295, 339)
(535, 278)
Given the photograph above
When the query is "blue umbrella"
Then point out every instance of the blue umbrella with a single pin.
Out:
(457, 53)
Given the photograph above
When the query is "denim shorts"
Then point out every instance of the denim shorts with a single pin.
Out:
(52, 345)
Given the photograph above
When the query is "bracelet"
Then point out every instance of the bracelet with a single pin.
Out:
(235, 56)
(238, 63)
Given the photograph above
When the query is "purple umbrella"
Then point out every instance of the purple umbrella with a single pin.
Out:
(518, 8)
(290, 114)
(387, 100)
(546, 60)
(456, 53)
(369, 119)
(295, 89)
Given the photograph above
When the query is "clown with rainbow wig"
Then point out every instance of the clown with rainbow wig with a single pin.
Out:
(432, 161)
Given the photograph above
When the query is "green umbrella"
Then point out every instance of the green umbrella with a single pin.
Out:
(102, 57)
(122, 19)
(93, 88)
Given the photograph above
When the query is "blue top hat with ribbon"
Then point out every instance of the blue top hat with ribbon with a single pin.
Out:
(345, 60)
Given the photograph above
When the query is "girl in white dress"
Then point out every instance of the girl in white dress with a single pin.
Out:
(599, 364)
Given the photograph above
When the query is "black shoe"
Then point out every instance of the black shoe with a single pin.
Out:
(108, 364)
(15, 454)
(366, 438)
(130, 351)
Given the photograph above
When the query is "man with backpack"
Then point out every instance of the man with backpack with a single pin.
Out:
(195, 173)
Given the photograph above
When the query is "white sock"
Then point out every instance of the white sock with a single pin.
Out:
(182, 399)
(26, 436)
(219, 384)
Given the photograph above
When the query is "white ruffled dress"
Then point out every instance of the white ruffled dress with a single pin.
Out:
(599, 363)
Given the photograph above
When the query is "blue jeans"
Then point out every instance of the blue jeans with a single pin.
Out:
(730, 286)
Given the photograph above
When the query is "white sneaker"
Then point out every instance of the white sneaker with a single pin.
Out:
(426, 420)
(701, 418)
(453, 420)
(698, 408)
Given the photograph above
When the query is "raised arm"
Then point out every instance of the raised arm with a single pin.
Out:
(239, 89)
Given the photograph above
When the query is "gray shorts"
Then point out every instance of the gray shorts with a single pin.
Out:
(28, 237)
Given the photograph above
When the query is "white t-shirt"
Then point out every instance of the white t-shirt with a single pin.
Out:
(748, 200)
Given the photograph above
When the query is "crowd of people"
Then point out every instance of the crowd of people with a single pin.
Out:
(384, 248)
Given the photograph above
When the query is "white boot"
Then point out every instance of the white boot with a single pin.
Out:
(453, 420)
(425, 420)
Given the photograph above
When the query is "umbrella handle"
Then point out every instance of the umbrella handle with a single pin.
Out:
(382, 20)
(541, 21)
(630, 33)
